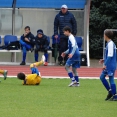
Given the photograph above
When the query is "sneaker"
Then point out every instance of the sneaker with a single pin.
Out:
(72, 84)
(22, 63)
(43, 59)
(61, 63)
(46, 64)
(109, 95)
(5, 74)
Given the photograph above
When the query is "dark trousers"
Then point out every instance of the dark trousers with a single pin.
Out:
(36, 54)
(62, 48)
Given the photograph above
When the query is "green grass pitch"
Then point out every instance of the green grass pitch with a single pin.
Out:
(53, 98)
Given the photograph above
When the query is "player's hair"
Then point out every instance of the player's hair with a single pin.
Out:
(108, 33)
(67, 28)
(21, 76)
(27, 27)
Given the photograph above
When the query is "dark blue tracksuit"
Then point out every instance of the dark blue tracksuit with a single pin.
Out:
(26, 46)
(62, 20)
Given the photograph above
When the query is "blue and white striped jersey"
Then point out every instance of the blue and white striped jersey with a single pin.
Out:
(110, 52)
(73, 48)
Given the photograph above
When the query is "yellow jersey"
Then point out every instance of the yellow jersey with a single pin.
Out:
(32, 79)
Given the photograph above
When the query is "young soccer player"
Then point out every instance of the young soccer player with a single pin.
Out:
(73, 57)
(4, 73)
(35, 77)
(109, 66)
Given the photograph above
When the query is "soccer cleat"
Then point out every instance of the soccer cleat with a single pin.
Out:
(46, 64)
(114, 98)
(77, 84)
(22, 63)
(72, 84)
(43, 59)
(109, 95)
(5, 74)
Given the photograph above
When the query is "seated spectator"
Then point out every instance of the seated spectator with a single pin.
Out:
(26, 42)
(41, 44)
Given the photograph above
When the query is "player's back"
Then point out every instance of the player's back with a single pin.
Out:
(71, 43)
(33, 79)
(112, 64)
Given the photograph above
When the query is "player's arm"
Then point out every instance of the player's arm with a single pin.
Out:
(67, 51)
(110, 53)
(72, 40)
(101, 61)
(64, 53)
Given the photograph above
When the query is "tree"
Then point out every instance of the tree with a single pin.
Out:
(103, 15)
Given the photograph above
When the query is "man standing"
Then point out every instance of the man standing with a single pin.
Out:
(62, 19)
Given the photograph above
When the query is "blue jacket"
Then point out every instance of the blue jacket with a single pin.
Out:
(42, 42)
(30, 36)
(62, 20)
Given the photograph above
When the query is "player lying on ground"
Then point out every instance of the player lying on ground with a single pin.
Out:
(4, 73)
(109, 66)
(35, 77)
(73, 57)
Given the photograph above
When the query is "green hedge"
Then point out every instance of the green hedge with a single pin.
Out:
(103, 15)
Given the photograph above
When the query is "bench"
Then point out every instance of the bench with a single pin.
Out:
(11, 38)
(13, 55)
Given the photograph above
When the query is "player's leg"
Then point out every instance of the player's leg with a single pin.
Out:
(46, 57)
(106, 84)
(76, 76)
(4, 73)
(36, 64)
(70, 74)
(113, 87)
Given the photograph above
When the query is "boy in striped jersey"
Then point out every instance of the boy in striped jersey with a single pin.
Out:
(109, 66)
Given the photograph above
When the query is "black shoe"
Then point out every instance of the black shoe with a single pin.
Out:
(109, 95)
(114, 98)
(61, 63)
(22, 63)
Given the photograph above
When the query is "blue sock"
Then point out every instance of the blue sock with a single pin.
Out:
(113, 88)
(71, 76)
(76, 78)
(105, 82)
(46, 57)
(34, 70)
(36, 57)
